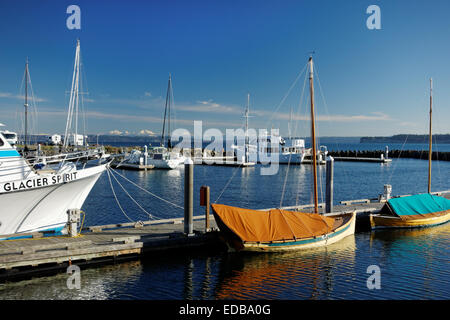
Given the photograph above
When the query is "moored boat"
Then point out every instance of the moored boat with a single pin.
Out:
(279, 230)
(38, 200)
(423, 210)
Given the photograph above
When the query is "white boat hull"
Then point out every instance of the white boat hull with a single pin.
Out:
(44, 207)
(165, 164)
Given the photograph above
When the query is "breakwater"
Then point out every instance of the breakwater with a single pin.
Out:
(393, 154)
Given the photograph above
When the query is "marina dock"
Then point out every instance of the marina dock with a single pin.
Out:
(132, 166)
(40, 254)
(361, 159)
(43, 254)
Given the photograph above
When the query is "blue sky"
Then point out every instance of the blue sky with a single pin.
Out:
(374, 82)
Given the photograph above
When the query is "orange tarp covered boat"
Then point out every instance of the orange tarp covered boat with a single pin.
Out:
(279, 230)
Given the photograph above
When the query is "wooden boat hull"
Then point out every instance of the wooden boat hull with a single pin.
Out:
(340, 233)
(380, 221)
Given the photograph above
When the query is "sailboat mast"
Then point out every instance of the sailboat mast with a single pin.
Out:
(169, 142)
(73, 100)
(246, 127)
(430, 136)
(26, 106)
(165, 113)
(313, 135)
(290, 125)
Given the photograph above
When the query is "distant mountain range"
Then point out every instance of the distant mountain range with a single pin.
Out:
(407, 138)
(155, 140)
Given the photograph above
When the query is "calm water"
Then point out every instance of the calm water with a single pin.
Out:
(414, 263)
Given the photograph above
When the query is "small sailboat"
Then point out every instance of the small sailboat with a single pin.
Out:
(422, 210)
(165, 157)
(244, 160)
(280, 230)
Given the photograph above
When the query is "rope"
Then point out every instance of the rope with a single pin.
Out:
(123, 188)
(398, 157)
(152, 194)
(115, 197)
(82, 223)
(285, 180)
(287, 93)
(229, 180)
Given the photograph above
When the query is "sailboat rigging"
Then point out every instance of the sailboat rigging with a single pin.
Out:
(278, 229)
(430, 141)
(313, 135)
(26, 107)
(169, 101)
(157, 157)
(72, 138)
(71, 135)
(421, 210)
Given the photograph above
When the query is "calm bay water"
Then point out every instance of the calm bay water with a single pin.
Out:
(413, 263)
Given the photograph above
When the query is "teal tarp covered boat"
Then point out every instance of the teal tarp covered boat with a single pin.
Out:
(418, 204)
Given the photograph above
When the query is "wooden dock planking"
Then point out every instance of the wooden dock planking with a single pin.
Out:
(107, 243)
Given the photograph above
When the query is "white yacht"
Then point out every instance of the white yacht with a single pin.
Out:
(38, 200)
(289, 150)
(10, 136)
(162, 158)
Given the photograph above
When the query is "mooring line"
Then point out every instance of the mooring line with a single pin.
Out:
(232, 176)
(151, 216)
(145, 190)
(117, 200)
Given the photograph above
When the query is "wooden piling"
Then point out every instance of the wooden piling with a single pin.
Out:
(329, 185)
(188, 196)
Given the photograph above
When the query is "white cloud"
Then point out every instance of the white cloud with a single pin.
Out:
(115, 132)
(147, 94)
(374, 116)
(20, 97)
(146, 132)
(210, 106)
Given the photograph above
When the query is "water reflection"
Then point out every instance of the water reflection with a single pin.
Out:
(417, 259)
(310, 274)
(96, 283)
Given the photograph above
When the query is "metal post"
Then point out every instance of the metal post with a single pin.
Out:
(207, 209)
(387, 192)
(73, 219)
(329, 191)
(188, 197)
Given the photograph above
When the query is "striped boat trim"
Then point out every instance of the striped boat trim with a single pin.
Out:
(293, 243)
(9, 153)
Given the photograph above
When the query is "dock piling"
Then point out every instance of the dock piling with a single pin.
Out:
(188, 197)
(204, 201)
(329, 185)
